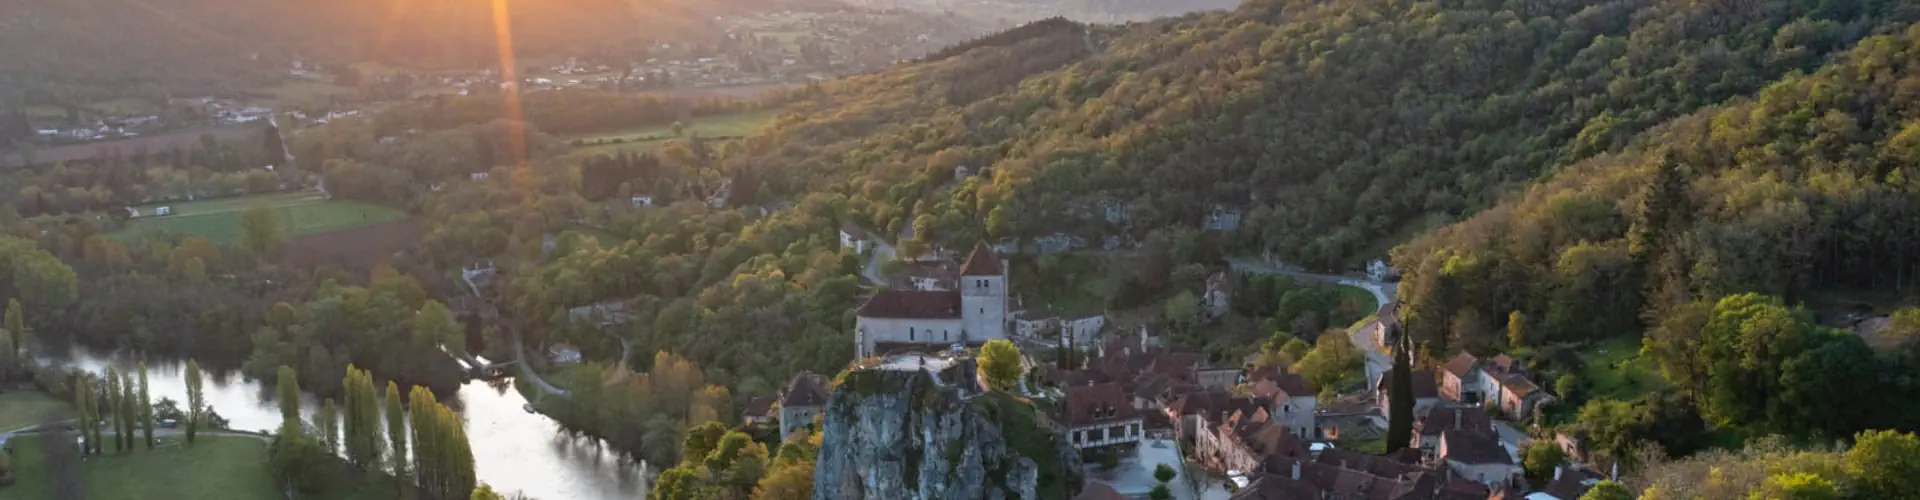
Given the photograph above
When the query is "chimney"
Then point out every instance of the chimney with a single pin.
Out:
(1296, 470)
(1456, 419)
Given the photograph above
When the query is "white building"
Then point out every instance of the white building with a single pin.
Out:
(642, 201)
(854, 238)
(977, 313)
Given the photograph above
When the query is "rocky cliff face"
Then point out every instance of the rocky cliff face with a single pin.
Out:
(891, 435)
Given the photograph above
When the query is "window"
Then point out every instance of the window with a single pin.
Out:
(909, 333)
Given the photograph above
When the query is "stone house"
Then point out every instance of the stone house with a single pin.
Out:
(1500, 382)
(1100, 415)
(1477, 457)
(1427, 429)
(1426, 394)
(804, 398)
(1295, 405)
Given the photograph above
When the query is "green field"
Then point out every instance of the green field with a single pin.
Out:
(642, 139)
(1615, 370)
(213, 468)
(299, 92)
(26, 408)
(301, 213)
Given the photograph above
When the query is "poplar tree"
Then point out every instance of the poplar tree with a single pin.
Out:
(364, 444)
(16, 324)
(426, 449)
(196, 399)
(114, 410)
(289, 393)
(396, 430)
(145, 407)
(329, 423)
(128, 411)
(82, 402)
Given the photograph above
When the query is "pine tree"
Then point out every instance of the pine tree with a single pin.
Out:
(1400, 397)
(289, 393)
(329, 423)
(145, 407)
(396, 430)
(196, 399)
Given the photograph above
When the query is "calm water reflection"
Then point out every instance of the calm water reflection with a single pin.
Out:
(512, 449)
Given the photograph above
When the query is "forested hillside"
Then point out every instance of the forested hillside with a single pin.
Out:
(1336, 127)
(1805, 191)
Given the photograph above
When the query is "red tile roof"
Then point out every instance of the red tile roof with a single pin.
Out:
(982, 262)
(1096, 490)
(1423, 385)
(912, 304)
(1454, 419)
(1462, 365)
(1094, 404)
(761, 406)
(806, 389)
(1472, 448)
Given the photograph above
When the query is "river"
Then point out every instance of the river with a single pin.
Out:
(512, 450)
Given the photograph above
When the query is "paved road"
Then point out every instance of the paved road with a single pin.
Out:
(520, 355)
(880, 254)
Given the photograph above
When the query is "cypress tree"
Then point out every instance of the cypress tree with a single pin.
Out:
(329, 423)
(196, 399)
(1400, 395)
(145, 407)
(396, 430)
(289, 394)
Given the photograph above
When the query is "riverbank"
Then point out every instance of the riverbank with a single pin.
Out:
(513, 450)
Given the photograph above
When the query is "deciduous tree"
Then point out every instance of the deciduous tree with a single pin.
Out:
(1000, 362)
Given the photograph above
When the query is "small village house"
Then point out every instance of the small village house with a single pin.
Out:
(1099, 415)
(804, 398)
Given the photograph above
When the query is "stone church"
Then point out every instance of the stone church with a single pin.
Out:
(914, 320)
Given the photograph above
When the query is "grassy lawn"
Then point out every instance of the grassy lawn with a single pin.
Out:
(24, 408)
(1615, 370)
(1360, 296)
(640, 139)
(214, 468)
(301, 213)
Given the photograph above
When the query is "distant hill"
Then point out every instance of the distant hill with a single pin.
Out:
(68, 46)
